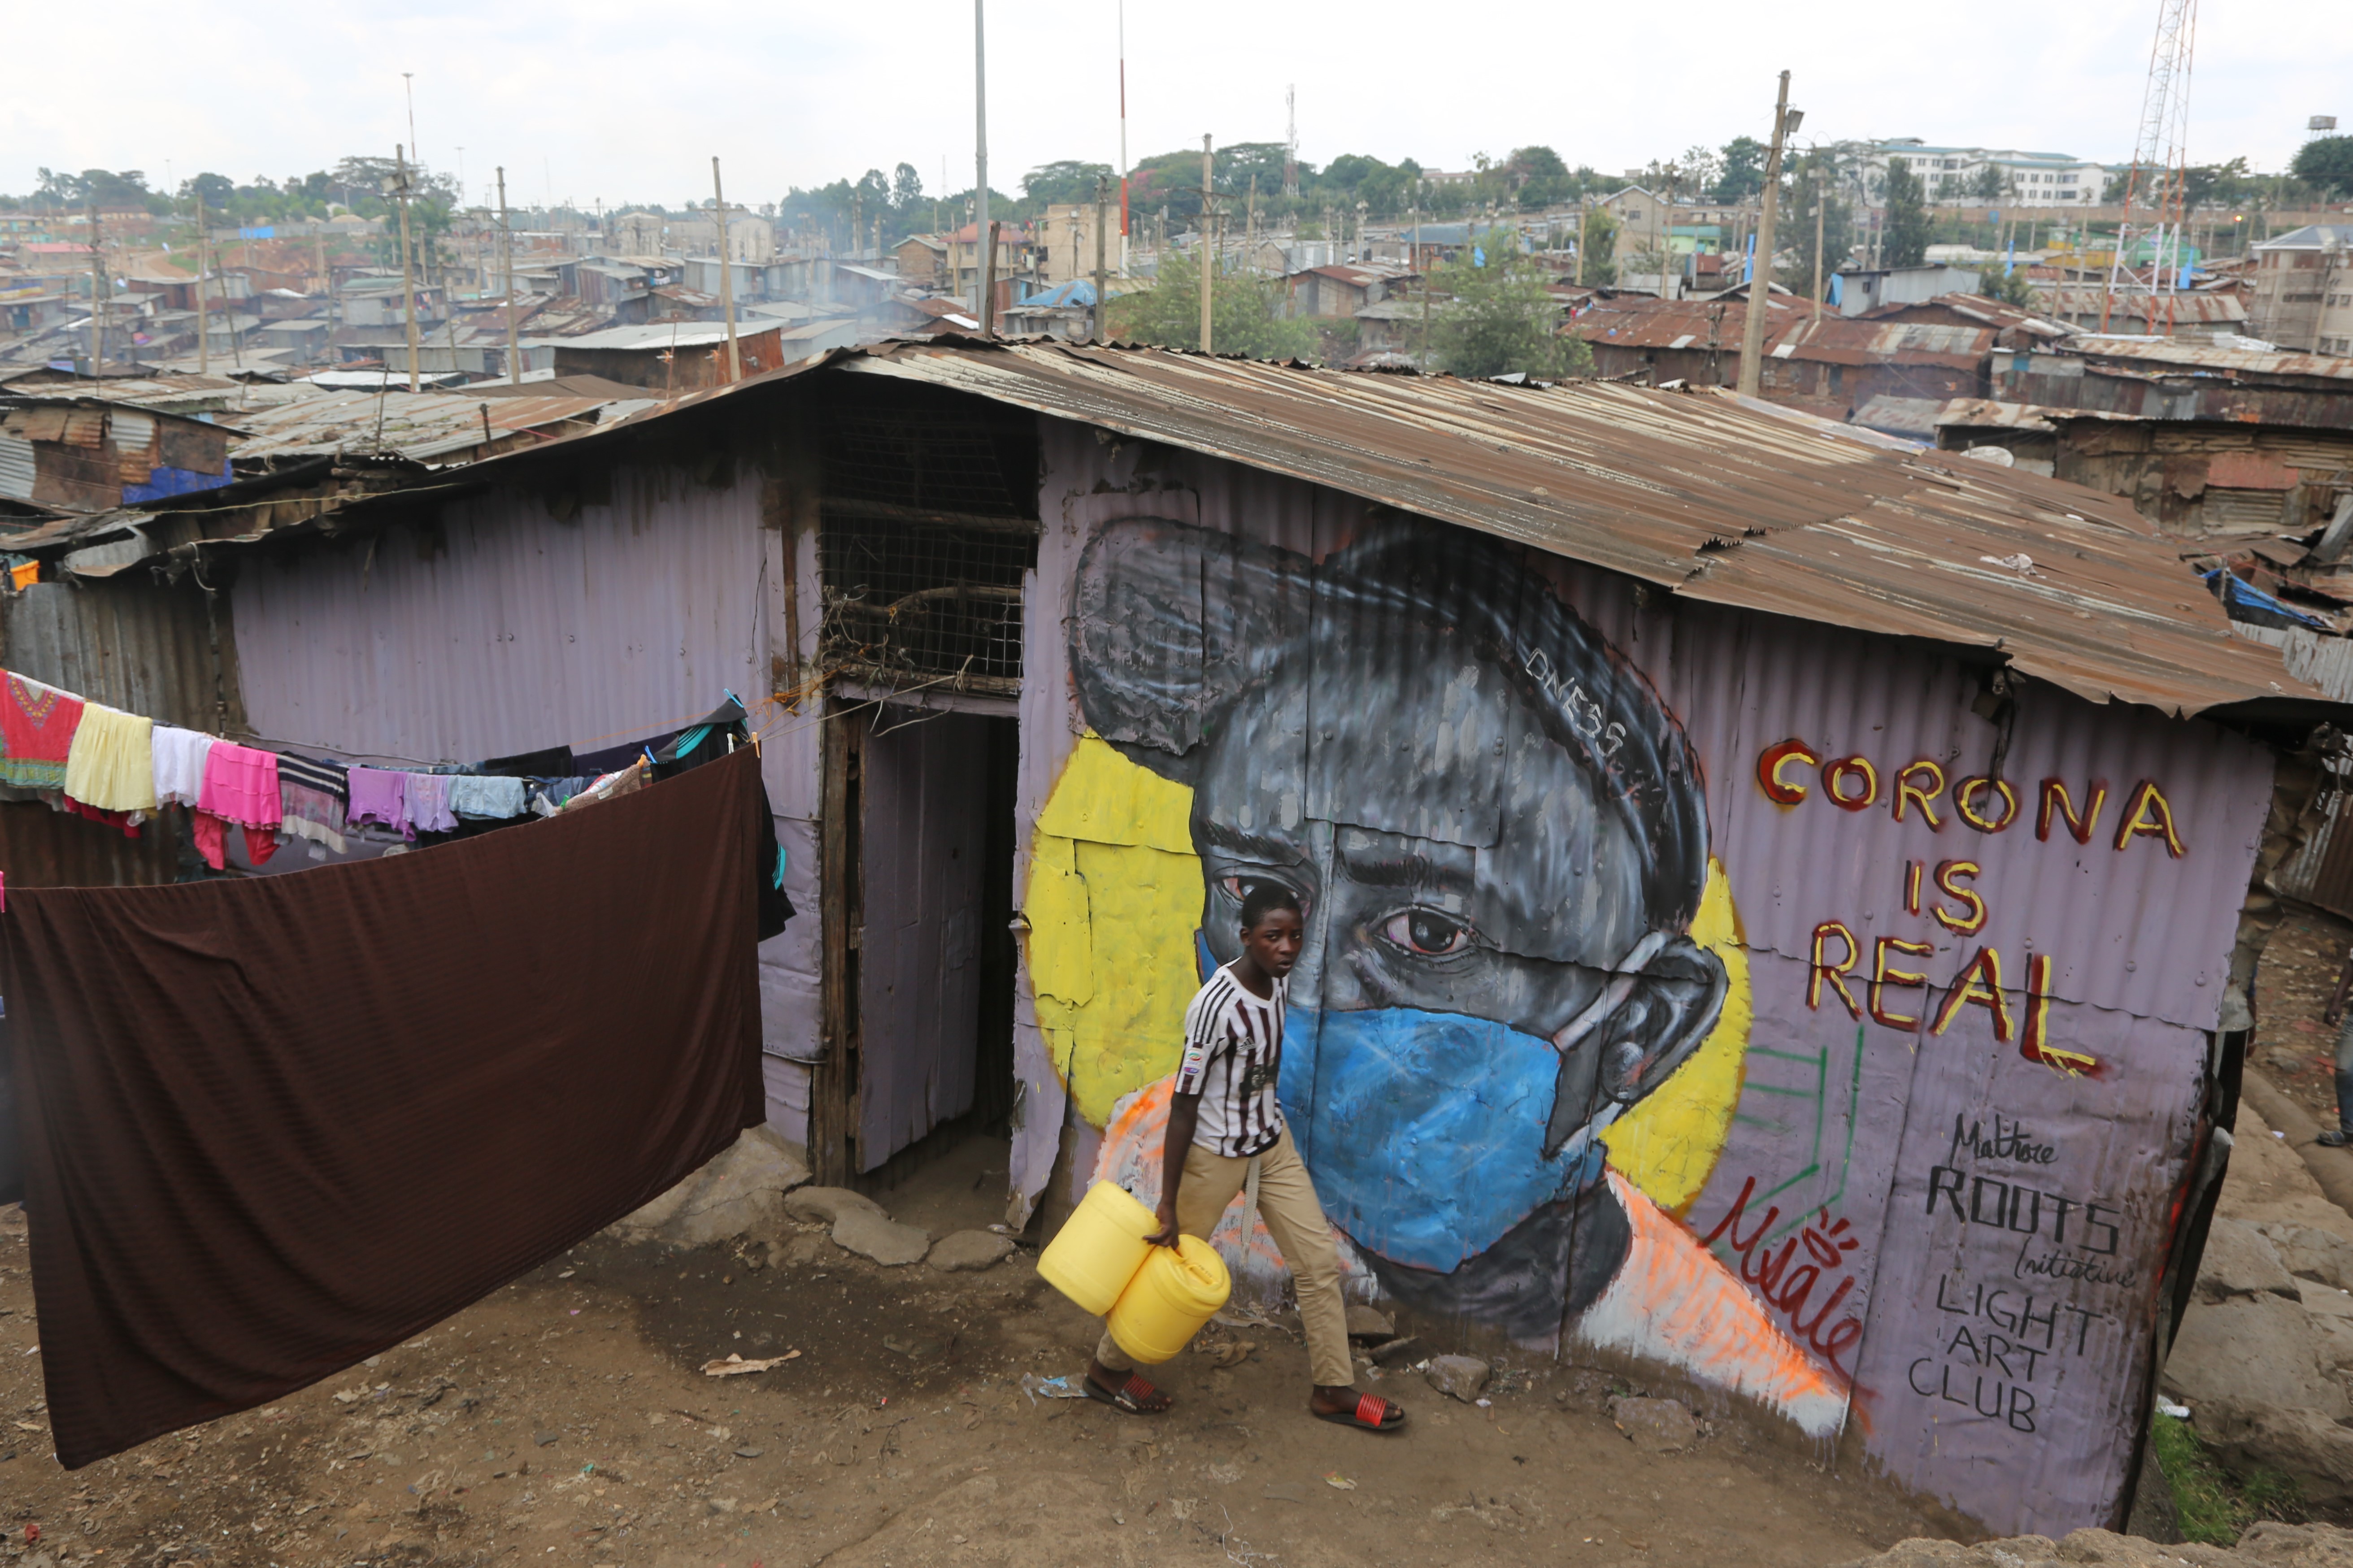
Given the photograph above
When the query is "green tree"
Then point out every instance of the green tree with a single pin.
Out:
(1245, 314)
(1061, 183)
(1991, 182)
(1538, 176)
(1907, 216)
(1600, 243)
(1502, 320)
(1744, 169)
(2325, 164)
(1813, 179)
(2009, 288)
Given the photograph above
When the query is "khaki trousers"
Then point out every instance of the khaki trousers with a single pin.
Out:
(1294, 1218)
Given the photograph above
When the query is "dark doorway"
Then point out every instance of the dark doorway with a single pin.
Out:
(928, 1061)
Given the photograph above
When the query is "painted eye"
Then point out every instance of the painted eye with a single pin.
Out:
(1426, 934)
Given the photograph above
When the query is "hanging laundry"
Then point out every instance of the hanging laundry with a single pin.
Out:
(111, 762)
(180, 764)
(315, 797)
(379, 796)
(551, 762)
(127, 821)
(229, 1213)
(625, 780)
(548, 796)
(490, 798)
(241, 785)
(36, 731)
(428, 804)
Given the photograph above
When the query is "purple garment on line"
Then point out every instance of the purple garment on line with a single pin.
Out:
(428, 804)
(381, 797)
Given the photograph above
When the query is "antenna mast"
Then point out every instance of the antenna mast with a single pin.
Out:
(2160, 155)
(1290, 147)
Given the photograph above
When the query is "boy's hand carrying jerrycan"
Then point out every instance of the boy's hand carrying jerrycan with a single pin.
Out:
(1156, 1298)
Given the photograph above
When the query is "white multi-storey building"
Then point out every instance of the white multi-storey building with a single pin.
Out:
(1956, 175)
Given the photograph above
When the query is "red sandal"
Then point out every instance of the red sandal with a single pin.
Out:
(1128, 1397)
(1370, 1414)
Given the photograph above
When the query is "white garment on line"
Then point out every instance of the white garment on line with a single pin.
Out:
(180, 764)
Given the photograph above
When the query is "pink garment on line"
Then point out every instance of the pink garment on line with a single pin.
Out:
(241, 785)
(380, 796)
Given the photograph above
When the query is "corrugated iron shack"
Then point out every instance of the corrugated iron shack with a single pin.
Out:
(1779, 907)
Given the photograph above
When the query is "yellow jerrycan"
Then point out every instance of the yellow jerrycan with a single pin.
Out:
(1099, 1248)
(1172, 1295)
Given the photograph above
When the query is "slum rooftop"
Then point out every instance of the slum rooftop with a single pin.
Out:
(1699, 494)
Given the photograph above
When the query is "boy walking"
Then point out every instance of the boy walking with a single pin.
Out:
(1222, 1115)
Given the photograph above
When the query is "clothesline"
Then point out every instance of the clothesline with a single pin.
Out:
(121, 768)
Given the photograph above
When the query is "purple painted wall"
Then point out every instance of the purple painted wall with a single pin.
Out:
(503, 629)
(1960, 1243)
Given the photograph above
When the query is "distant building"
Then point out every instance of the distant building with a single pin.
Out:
(1066, 242)
(1954, 176)
(1867, 289)
(2304, 289)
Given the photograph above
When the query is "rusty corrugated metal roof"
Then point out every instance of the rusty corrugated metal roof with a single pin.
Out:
(1792, 331)
(1701, 494)
(2188, 308)
(421, 425)
(2193, 356)
(1693, 493)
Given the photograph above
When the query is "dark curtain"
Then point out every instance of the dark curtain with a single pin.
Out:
(273, 1126)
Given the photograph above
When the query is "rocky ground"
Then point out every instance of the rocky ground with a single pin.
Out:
(568, 1415)
(2294, 1047)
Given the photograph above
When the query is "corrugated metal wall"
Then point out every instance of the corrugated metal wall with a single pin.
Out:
(129, 642)
(500, 629)
(1856, 1130)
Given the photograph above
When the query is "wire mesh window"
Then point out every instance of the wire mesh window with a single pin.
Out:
(908, 601)
(928, 524)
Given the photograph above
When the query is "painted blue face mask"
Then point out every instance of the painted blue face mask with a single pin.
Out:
(1425, 1132)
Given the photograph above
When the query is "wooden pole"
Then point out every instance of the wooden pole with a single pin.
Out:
(506, 266)
(203, 329)
(1204, 247)
(1102, 202)
(1760, 282)
(727, 276)
(100, 295)
(982, 233)
(1818, 240)
(989, 282)
(407, 269)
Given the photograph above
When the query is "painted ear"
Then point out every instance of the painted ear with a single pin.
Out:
(1169, 622)
(1667, 1014)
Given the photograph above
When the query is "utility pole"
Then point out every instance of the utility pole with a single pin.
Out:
(1760, 282)
(1122, 141)
(506, 266)
(727, 276)
(100, 295)
(203, 321)
(981, 231)
(1103, 200)
(989, 283)
(1203, 248)
(408, 269)
(1818, 239)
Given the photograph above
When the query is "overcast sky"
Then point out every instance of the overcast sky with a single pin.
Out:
(596, 99)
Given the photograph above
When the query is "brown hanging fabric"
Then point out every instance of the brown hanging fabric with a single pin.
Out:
(273, 1126)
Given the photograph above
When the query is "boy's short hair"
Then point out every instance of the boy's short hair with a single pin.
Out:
(1264, 896)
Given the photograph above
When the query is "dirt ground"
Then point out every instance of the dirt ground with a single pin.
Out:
(565, 1417)
(2293, 1046)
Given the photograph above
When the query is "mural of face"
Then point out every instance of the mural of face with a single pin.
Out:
(1496, 836)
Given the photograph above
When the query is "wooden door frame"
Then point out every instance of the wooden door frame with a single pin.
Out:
(833, 1084)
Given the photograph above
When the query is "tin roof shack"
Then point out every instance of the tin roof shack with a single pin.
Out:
(1893, 854)
(87, 453)
(1864, 289)
(2169, 378)
(2013, 327)
(670, 357)
(2191, 314)
(1343, 290)
(1827, 365)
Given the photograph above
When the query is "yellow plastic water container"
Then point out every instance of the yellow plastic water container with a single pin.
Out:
(1100, 1248)
(1172, 1295)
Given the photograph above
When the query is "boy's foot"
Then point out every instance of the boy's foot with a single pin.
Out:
(1124, 1391)
(1347, 1407)
(2334, 1137)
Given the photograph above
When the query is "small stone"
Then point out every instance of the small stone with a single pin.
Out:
(2311, 1254)
(869, 1234)
(1655, 1426)
(1284, 1492)
(1396, 1351)
(544, 1438)
(1365, 1323)
(964, 1251)
(749, 1453)
(827, 1205)
(1459, 1376)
